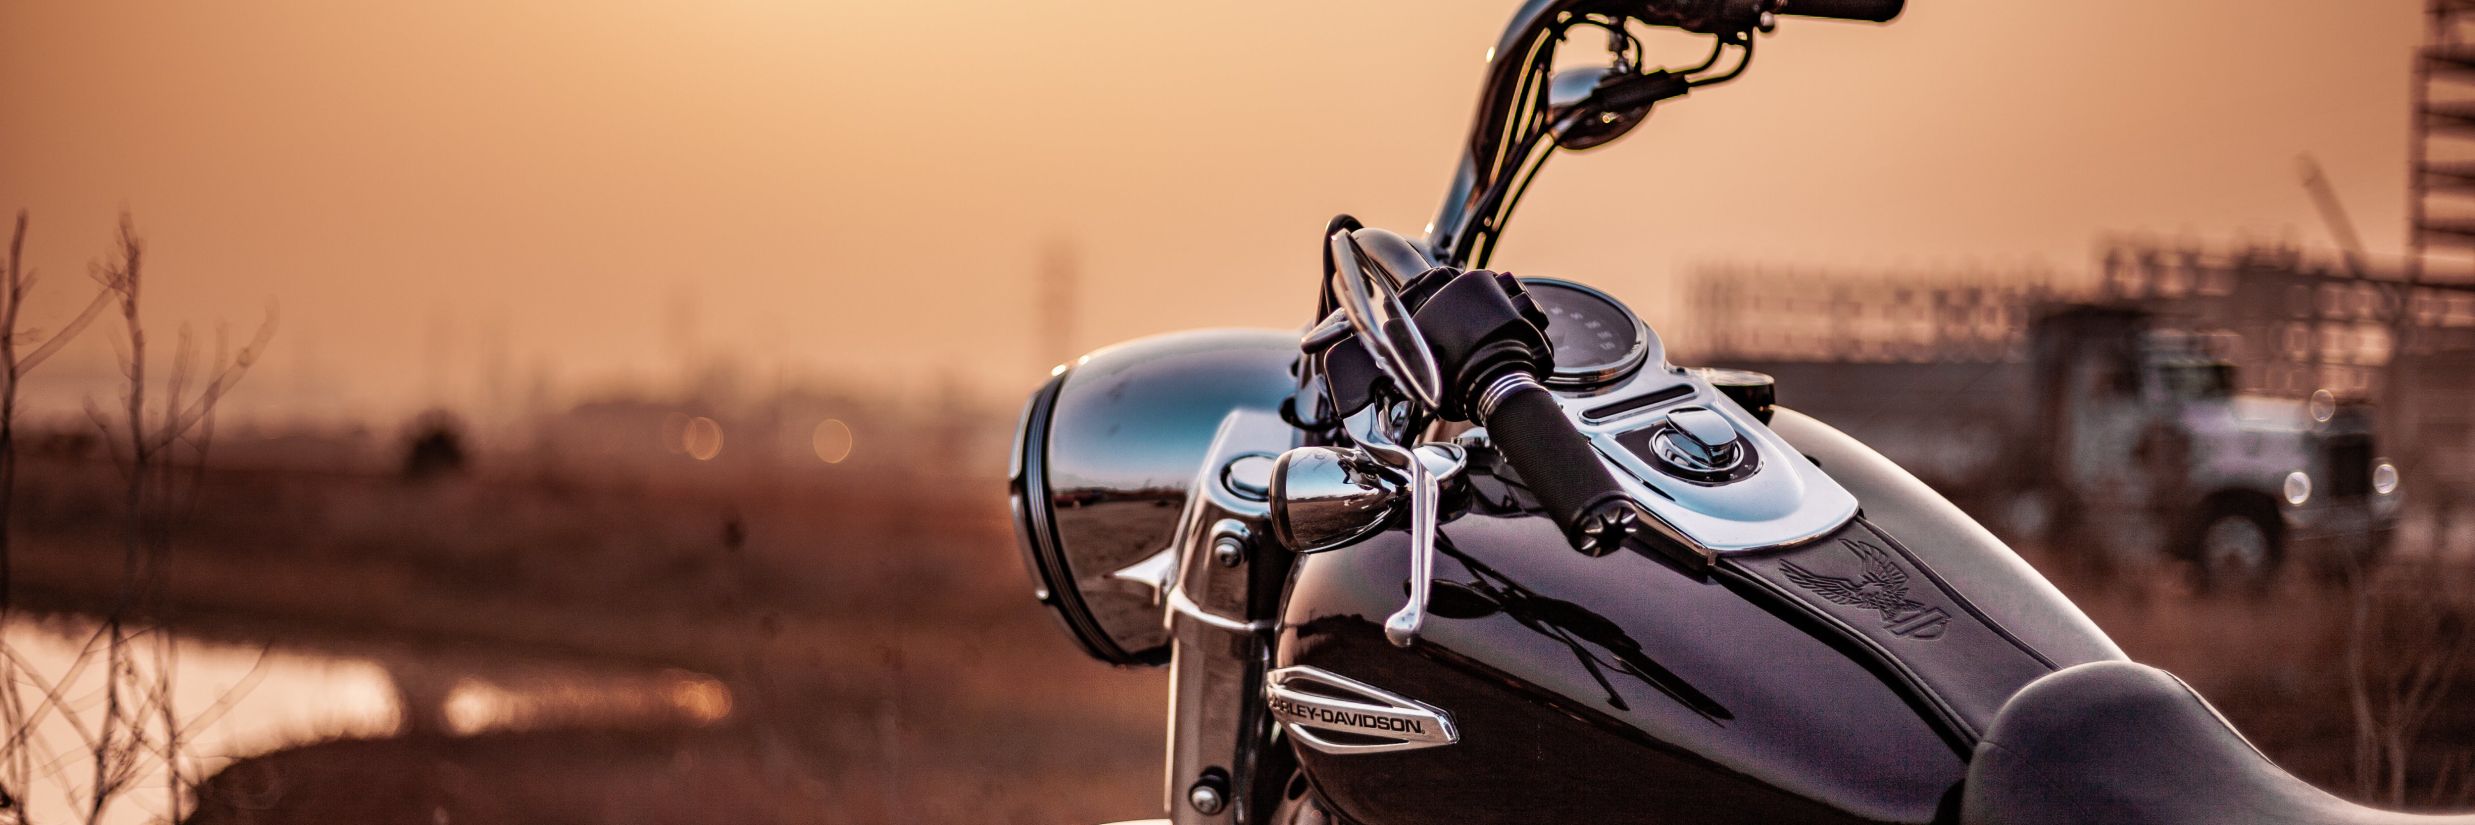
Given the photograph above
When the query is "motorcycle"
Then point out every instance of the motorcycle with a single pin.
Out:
(1470, 549)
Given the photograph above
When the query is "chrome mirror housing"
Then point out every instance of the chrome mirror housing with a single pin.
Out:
(1326, 498)
(1577, 117)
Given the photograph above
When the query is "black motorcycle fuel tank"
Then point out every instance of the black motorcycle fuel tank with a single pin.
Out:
(1841, 680)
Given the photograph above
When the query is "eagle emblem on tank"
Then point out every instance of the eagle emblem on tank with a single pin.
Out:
(1881, 586)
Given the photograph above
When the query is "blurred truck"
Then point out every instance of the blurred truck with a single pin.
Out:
(2119, 441)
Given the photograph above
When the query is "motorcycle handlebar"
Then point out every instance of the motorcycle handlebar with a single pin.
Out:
(1558, 464)
(1870, 11)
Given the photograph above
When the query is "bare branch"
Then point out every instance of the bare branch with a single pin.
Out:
(17, 258)
(133, 727)
(214, 391)
(61, 337)
(224, 703)
(53, 699)
(111, 447)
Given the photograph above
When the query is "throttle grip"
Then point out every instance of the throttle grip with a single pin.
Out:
(1870, 11)
(1558, 465)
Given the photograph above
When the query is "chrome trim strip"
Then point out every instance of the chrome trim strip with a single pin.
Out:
(1781, 500)
(1501, 388)
(1185, 606)
(1404, 724)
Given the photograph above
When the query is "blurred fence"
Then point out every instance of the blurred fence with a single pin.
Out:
(1790, 314)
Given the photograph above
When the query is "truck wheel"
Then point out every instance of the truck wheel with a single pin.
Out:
(2237, 551)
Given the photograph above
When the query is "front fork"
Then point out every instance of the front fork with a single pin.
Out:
(1224, 765)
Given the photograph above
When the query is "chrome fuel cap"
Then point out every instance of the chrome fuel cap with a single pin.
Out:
(1698, 444)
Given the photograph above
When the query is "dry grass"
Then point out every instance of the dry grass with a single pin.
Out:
(885, 663)
(2315, 673)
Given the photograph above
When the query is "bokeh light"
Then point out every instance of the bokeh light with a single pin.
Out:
(832, 440)
(698, 697)
(702, 438)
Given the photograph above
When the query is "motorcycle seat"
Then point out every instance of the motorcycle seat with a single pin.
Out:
(2127, 744)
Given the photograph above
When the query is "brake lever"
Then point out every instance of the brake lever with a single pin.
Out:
(1423, 480)
(1403, 626)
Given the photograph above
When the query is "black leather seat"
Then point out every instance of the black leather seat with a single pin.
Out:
(2119, 743)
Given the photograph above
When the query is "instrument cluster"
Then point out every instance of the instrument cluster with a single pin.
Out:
(1597, 341)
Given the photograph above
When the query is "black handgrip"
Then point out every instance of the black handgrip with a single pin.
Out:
(1870, 11)
(1558, 465)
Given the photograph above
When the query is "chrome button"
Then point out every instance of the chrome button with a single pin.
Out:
(1708, 430)
(1697, 444)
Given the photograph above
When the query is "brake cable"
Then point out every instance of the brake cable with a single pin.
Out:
(1741, 63)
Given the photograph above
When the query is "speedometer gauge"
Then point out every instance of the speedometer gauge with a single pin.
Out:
(1597, 341)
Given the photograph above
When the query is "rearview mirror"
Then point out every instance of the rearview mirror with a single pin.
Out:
(1324, 498)
(1579, 119)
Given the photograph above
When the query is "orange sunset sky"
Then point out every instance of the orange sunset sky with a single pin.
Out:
(598, 192)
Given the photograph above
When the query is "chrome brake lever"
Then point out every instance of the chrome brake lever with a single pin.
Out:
(1423, 471)
(1402, 628)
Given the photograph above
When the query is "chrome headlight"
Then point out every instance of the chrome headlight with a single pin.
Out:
(1102, 462)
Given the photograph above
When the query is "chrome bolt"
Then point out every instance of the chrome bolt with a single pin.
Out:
(1229, 551)
(1205, 798)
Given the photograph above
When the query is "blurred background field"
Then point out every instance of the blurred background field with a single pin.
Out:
(544, 644)
(624, 440)
(556, 645)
